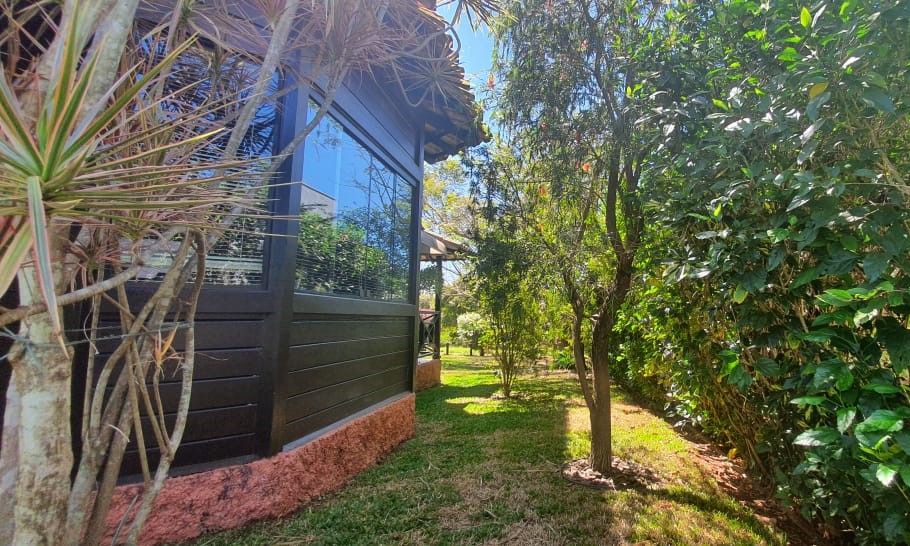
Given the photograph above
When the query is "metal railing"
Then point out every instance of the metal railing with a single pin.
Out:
(429, 333)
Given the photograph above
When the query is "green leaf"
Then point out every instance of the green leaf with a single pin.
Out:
(845, 417)
(864, 315)
(902, 439)
(894, 526)
(805, 18)
(818, 336)
(883, 420)
(896, 340)
(876, 98)
(720, 104)
(754, 281)
(807, 152)
(905, 474)
(739, 377)
(14, 249)
(885, 474)
(837, 317)
(881, 388)
(41, 250)
(808, 400)
(798, 201)
(818, 437)
(895, 242)
(767, 367)
(850, 242)
(817, 89)
(740, 294)
(874, 264)
(788, 55)
(776, 257)
(815, 103)
(835, 297)
(840, 262)
(844, 380)
(778, 234)
(805, 277)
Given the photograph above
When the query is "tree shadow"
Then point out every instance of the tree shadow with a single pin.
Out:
(712, 504)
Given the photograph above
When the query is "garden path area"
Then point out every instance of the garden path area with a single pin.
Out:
(487, 470)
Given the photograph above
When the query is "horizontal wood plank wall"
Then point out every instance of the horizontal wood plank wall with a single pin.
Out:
(230, 358)
(345, 355)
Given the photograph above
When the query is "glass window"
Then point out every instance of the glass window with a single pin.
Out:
(202, 77)
(355, 219)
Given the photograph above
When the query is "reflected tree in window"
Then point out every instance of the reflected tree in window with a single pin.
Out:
(355, 219)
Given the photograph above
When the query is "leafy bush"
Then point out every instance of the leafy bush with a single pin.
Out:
(563, 360)
(787, 178)
(472, 328)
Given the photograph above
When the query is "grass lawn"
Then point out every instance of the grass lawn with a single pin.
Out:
(485, 470)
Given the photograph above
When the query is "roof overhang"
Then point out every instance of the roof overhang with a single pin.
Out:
(436, 87)
(434, 246)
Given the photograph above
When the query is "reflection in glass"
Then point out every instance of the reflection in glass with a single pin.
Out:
(354, 229)
(204, 77)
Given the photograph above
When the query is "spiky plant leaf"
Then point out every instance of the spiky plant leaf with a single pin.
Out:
(15, 242)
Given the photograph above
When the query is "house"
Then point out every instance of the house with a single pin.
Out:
(307, 327)
(434, 249)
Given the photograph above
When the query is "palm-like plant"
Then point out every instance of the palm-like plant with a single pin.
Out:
(108, 157)
(83, 181)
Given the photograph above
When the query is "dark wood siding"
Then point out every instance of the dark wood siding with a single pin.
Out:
(224, 408)
(341, 362)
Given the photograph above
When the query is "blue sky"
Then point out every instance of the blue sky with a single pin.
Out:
(476, 50)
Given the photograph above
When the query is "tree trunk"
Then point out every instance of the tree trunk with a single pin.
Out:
(601, 427)
(9, 463)
(42, 375)
(602, 351)
(601, 442)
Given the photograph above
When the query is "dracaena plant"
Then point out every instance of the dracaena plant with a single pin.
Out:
(91, 187)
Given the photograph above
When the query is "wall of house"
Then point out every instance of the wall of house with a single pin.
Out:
(233, 496)
(347, 353)
(229, 401)
(285, 378)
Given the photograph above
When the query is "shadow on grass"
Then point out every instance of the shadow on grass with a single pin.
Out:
(712, 504)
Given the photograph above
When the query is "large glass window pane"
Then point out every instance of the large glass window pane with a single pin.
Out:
(401, 243)
(203, 77)
(350, 219)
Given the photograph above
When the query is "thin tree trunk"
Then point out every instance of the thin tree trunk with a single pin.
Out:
(42, 374)
(9, 462)
(602, 352)
(600, 411)
(601, 457)
(173, 442)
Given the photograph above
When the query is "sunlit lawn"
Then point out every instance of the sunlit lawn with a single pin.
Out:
(485, 470)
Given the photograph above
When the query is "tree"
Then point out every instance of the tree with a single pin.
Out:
(472, 329)
(104, 167)
(446, 200)
(508, 297)
(573, 90)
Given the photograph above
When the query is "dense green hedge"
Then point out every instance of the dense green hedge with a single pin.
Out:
(780, 323)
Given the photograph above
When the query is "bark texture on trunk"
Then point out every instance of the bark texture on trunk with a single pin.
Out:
(9, 463)
(601, 441)
(602, 353)
(42, 373)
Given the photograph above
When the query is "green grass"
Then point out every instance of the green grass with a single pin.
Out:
(485, 470)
